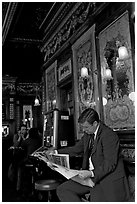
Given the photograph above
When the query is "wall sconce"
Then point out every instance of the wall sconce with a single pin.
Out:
(36, 103)
(104, 101)
(86, 87)
(54, 103)
(114, 53)
(108, 74)
(122, 51)
(132, 96)
(37, 99)
(84, 72)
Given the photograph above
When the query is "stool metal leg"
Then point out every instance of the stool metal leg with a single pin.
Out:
(49, 196)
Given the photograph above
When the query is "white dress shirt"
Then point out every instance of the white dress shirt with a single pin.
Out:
(91, 167)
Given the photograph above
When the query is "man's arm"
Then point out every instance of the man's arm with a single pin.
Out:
(76, 149)
(16, 140)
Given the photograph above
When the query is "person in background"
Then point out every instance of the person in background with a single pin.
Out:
(33, 142)
(102, 164)
(20, 136)
(17, 152)
(29, 145)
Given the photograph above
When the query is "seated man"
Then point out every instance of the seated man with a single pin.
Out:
(29, 145)
(20, 136)
(17, 152)
(101, 163)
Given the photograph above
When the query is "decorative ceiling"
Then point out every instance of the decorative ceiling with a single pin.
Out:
(23, 27)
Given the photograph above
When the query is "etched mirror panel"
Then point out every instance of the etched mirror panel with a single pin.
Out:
(117, 74)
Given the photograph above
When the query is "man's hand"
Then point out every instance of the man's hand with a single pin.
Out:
(85, 174)
(19, 136)
(50, 151)
(49, 164)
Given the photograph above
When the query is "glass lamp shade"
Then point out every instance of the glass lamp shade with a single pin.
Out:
(108, 75)
(37, 102)
(104, 101)
(54, 103)
(132, 96)
(123, 53)
(84, 72)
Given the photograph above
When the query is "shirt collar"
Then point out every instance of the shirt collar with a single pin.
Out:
(96, 131)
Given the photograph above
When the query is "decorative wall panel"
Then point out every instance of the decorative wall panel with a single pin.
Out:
(118, 91)
(64, 70)
(27, 116)
(86, 95)
(51, 85)
(68, 27)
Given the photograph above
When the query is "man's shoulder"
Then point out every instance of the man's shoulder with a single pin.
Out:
(107, 130)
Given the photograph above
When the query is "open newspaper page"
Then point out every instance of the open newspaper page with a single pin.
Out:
(60, 163)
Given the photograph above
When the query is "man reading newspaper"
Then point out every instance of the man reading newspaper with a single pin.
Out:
(102, 174)
(60, 163)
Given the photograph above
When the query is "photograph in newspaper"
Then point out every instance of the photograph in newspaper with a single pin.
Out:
(60, 159)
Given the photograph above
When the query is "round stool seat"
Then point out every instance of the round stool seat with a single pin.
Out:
(46, 185)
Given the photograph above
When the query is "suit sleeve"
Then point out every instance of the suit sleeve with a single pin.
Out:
(15, 140)
(74, 150)
(108, 159)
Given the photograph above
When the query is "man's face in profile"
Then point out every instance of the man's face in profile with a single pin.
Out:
(23, 130)
(89, 128)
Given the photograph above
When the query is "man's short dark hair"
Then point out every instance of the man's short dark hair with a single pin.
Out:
(89, 115)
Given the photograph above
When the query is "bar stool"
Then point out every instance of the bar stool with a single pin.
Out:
(47, 185)
(30, 167)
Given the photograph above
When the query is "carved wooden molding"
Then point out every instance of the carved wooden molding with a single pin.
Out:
(28, 88)
(21, 88)
(8, 19)
(69, 27)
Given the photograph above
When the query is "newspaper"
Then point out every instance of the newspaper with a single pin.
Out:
(60, 163)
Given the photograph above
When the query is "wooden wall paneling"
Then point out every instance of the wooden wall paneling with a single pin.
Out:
(84, 55)
(119, 109)
(51, 86)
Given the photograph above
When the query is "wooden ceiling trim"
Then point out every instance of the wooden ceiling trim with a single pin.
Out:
(74, 20)
(8, 19)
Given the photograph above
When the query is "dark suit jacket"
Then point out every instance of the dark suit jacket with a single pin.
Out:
(30, 145)
(109, 175)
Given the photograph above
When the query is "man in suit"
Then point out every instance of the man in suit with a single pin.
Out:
(101, 163)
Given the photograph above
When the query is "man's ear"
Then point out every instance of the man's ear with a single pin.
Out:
(95, 123)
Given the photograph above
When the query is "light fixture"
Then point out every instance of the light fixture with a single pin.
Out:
(132, 96)
(108, 75)
(84, 72)
(54, 103)
(123, 53)
(104, 101)
(37, 98)
(36, 102)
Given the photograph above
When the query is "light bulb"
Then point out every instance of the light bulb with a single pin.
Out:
(36, 102)
(84, 72)
(104, 101)
(132, 96)
(108, 75)
(123, 53)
